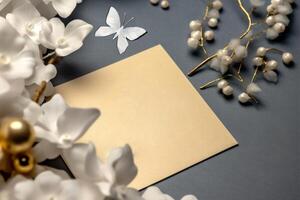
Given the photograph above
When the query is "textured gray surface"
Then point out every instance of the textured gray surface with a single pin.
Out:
(266, 163)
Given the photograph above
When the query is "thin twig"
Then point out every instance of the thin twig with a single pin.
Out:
(48, 55)
(248, 17)
(39, 92)
(254, 74)
(208, 84)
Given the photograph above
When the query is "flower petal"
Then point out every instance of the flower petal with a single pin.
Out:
(45, 150)
(253, 88)
(42, 73)
(83, 162)
(271, 76)
(73, 124)
(64, 8)
(154, 193)
(22, 66)
(11, 42)
(52, 110)
(48, 182)
(121, 159)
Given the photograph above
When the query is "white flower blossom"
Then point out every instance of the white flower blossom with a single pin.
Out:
(112, 177)
(60, 126)
(48, 185)
(26, 20)
(64, 40)
(15, 61)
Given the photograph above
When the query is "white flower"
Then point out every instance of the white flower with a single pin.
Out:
(13, 103)
(64, 8)
(41, 71)
(154, 193)
(49, 186)
(112, 177)
(60, 126)
(15, 62)
(65, 40)
(7, 190)
(26, 20)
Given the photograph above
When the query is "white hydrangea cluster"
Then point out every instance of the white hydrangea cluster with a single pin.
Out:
(277, 19)
(30, 35)
(235, 52)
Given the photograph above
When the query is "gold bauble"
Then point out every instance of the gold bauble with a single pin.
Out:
(16, 135)
(24, 163)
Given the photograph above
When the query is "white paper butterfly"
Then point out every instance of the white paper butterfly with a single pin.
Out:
(122, 33)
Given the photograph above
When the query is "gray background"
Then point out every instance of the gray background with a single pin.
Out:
(265, 165)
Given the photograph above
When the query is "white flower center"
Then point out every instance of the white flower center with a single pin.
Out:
(62, 43)
(29, 28)
(4, 59)
(66, 139)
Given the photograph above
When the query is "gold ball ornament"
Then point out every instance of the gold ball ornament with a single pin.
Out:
(24, 163)
(16, 135)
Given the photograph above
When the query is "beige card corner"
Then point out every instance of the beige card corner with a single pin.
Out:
(147, 102)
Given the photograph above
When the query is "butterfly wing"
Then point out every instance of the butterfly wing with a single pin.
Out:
(104, 31)
(113, 22)
(122, 43)
(113, 19)
(133, 33)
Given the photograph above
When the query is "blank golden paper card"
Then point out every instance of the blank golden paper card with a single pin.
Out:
(147, 102)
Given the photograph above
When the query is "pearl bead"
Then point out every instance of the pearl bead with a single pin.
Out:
(4, 59)
(154, 2)
(270, 21)
(209, 35)
(196, 34)
(279, 27)
(258, 61)
(272, 10)
(212, 22)
(164, 4)
(195, 25)
(217, 4)
(244, 97)
(227, 90)
(287, 58)
(222, 52)
(226, 60)
(261, 51)
(193, 43)
(222, 83)
(271, 65)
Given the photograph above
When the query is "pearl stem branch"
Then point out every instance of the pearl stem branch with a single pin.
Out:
(208, 84)
(196, 68)
(254, 74)
(248, 17)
